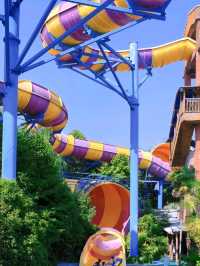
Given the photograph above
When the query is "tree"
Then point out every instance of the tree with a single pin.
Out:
(21, 228)
(60, 219)
(152, 241)
(183, 180)
(77, 134)
(118, 169)
(187, 191)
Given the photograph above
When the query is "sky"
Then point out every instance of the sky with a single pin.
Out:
(94, 110)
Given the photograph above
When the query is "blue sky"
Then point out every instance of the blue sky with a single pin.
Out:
(98, 113)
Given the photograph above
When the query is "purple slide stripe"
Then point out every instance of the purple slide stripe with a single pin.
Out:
(159, 168)
(108, 153)
(57, 121)
(145, 58)
(80, 148)
(150, 3)
(118, 18)
(69, 18)
(46, 36)
(39, 100)
(62, 145)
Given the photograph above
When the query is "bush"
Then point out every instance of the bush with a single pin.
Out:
(22, 229)
(118, 169)
(56, 222)
(193, 258)
(183, 180)
(152, 242)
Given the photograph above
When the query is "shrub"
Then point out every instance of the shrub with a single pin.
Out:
(152, 242)
(56, 222)
(22, 229)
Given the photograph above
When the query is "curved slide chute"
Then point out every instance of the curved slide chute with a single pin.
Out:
(112, 216)
(66, 15)
(106, 244)
(154, 57)
(162, 151)
(91, 150)
(39, 104)
(107, 215)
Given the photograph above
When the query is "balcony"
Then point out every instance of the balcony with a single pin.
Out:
(187, 116)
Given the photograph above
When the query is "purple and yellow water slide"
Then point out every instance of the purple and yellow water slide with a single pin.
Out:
(41, 105)
(65, 15)
(111, 201)
(96, 151)
(47, 108)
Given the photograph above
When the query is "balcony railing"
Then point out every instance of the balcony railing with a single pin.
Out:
(192, 105)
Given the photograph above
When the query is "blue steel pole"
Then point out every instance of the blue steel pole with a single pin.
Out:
(134, 135)
(9, 142)
(160, 194)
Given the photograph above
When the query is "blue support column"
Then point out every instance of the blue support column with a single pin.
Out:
(160, 194)
(9, 145)
(134, 135)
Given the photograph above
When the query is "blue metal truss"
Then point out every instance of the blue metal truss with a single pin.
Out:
(155, 14)
(22, 68)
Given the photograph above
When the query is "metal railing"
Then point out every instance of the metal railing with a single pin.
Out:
(192, 105)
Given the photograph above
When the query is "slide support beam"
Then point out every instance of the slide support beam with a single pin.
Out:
(134, 137)
(10, 100)
(160, 194)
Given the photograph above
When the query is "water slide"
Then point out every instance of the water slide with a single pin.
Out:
(112, 220)
(38, 103)
(47, 109)
(96, 151)
(66, 15)
(108, 242)
(153, 57)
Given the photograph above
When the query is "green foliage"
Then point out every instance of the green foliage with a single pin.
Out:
(56, 222)
(77, 134)
(118, 168)
(194, 230)
(36, 159)
(183, 180)
(152, 242)
(187, 190)
(192, 259)
(22, 229)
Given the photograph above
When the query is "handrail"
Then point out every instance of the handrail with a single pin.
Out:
(192, 105)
